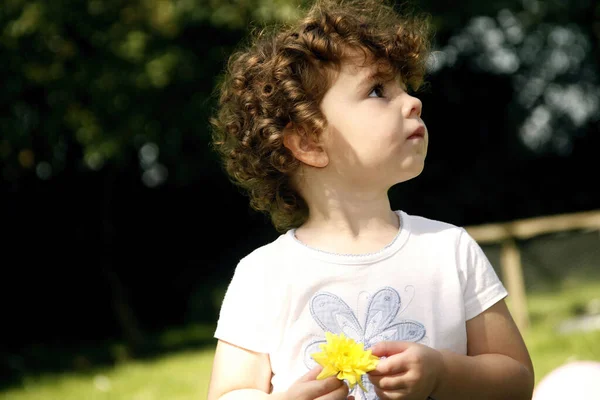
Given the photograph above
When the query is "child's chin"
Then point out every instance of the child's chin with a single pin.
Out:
(409, 176)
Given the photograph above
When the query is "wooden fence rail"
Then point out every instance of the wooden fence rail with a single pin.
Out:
(510, 261)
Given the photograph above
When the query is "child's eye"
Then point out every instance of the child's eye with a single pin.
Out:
(376, 91)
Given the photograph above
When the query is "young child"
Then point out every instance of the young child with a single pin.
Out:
(316, 122)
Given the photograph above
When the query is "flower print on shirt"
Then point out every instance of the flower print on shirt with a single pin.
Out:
(333, 315)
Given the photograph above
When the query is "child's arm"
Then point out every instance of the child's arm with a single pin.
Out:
(497, 366)
(239, 373)
(246, 375)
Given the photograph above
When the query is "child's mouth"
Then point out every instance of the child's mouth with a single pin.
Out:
(419, 133)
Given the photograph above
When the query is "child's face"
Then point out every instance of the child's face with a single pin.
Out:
(375, 135)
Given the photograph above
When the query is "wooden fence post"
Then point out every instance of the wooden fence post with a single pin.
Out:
(512, 271)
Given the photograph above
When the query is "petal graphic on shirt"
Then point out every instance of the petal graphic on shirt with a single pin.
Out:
(312, 348)
(382, 310)
(349, 328)
(369, 394)
(331, 313)
(372, 323)
(410, 331)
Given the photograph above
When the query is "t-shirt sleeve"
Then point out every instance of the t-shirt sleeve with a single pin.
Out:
(247, 317)
(481, 285)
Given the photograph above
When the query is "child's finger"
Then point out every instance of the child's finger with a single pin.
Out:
(386, 349)
(310, 375)
(340, 393)
(326, 389)
(390, 366)
(389, 382)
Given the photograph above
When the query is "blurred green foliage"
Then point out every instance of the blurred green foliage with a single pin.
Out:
(91, 82)
(109, 76)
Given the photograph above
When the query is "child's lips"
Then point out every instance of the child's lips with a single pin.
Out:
(418, 133)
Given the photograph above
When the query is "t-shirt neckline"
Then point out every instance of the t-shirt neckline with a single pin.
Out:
(363, 258)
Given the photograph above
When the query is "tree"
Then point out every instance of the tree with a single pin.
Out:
(102, 97)
(106, 90)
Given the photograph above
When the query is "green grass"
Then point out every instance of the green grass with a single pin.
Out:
(181, 376)
(547, 347)
(184, 374)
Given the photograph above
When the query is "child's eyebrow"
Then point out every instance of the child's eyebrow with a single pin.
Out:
(371, 78)
(378, 76)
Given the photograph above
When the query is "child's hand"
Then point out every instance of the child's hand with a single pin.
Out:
(309, 388)
(409, 371)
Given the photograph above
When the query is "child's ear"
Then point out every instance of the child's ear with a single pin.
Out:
(304, 147)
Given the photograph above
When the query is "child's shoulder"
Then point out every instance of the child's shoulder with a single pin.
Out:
(421, 224)
(265, 254)
(435, 230)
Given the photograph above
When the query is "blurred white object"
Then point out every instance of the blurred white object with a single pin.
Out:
(574, 380)
(585, 323)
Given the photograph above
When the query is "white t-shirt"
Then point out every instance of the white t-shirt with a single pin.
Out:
(422, 287)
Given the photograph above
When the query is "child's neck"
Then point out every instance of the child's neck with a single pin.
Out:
(351, 226)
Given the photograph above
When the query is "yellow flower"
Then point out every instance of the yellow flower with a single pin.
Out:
(345, 358)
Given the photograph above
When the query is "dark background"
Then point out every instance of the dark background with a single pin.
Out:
(117, 221)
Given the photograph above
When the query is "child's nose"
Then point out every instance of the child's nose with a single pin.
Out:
(412, 106)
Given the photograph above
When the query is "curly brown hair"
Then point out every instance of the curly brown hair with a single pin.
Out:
(281, 76)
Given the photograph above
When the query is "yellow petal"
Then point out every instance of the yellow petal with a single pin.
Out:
(343, 356)
(320, 358)
(351, 378)
(327, 371)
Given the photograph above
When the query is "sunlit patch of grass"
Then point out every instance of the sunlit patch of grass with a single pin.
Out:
(548, 347)
(181, 376)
